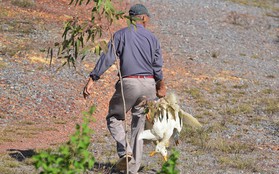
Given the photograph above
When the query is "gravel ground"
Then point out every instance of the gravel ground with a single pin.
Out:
(219, 42)
(221, 58)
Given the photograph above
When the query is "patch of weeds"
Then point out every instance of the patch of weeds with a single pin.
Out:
(223, 99)
(26, 133)
(11, 134)
(238, 162)
(267, 91)
(219, 88)
(257, 119)
(14, 49)
(23, 3)
(268, 4)
(241, 86)
(208, 113)
(5, 170)
(196, 137)
(242, 54)
(27, 123)
(271, 105)
(216, 127)
(19, 26)
(236, 110)
(255, 56)
(215, 54)
(3, 12)
(202, 139)
(204, 103)
(8, 162)
(219, 84)
(2, 64)
(194, 92)
(229, 111)
(223, 145)
(6, 136)
(270, 76)
(28, 161)
(245, 108)
(40, 68)
(9, 51)
(238, 94)
(11, 164)
(274, 15)
(31, 131)
(205, 114)
(60, 122)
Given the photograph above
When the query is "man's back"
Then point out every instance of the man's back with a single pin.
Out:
(138, 50)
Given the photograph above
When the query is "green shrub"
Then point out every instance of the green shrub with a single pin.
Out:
(169, 167)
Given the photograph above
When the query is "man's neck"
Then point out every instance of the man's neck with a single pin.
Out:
(141, 23)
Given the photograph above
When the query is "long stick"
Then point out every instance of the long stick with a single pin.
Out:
(123, 99)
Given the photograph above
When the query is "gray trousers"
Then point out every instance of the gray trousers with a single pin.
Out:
(133, 89)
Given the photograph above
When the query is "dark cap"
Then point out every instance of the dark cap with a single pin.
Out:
(138, 9)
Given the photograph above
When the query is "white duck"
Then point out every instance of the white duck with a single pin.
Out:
(165, 121)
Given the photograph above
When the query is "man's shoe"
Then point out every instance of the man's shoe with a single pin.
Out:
(121, 163)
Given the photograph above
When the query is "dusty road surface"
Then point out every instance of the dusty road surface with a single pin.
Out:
(221, 59)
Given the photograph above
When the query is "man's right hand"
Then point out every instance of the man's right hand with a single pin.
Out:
(88, 87)
(161, 89)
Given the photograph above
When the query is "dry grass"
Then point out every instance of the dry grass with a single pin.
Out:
(267, 91)
(268, 4)
(228, 146)
(204, 103)
(195, 137)
(2, 64)
(194, 92)
(23, 3)
(215, 54)
(25, 26)
(238, 162)
(9, 165)
(271, 105)
(22, 130)
(241, 86)
(240, 108)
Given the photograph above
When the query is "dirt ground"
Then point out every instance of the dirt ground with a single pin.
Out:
(220, 57)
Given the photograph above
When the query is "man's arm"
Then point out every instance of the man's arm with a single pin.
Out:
(158, 64)
(105, 61)
(158, 74)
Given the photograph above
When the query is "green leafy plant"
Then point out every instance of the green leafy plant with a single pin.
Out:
(84, 36)
(169, 167)
(71, 158)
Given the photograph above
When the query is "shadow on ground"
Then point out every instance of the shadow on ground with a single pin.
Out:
(21, 155)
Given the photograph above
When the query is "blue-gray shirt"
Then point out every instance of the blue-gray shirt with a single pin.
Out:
(139, 52)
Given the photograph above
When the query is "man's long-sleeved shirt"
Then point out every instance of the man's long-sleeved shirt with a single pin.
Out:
(138, 50)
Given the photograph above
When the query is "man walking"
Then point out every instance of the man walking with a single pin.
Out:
(141, 70)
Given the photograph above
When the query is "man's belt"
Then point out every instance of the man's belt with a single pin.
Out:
(140, 77)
